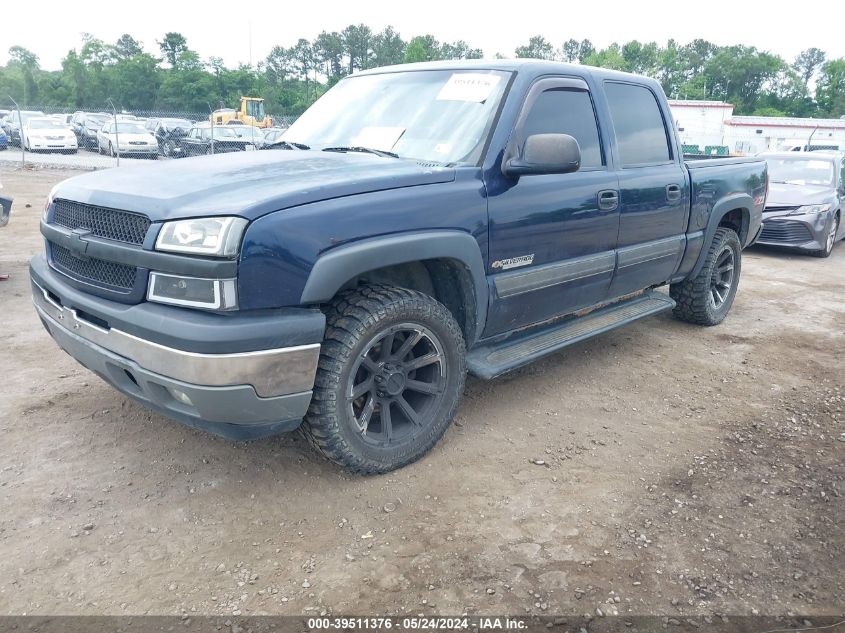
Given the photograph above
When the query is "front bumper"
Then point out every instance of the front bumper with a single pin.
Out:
(236, 394)
(139, 149)
(48, 145)
(805, 232)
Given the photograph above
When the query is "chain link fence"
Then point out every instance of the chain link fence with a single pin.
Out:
(107, 137)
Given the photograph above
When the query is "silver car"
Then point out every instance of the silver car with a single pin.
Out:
(805, 202)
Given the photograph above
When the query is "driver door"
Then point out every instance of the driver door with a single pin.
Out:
(553, 237)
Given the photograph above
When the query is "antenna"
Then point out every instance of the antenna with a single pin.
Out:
(810, 140)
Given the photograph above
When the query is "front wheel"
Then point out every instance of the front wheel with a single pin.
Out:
(707, 298)
(830, 240)
(389, 380)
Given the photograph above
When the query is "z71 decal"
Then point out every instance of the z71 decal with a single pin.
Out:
(513, 262)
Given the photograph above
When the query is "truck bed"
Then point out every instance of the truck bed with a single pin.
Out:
(700, 162)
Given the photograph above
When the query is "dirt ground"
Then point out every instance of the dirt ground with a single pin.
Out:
(662, 469)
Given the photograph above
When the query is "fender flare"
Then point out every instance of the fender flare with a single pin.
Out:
(338, 265)
(727, 204)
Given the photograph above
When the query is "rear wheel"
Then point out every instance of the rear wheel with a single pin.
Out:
(707, 298)
(389, 380)
(830, 240)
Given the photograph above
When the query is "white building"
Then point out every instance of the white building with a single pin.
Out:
(752, 134)
(712, 124)
(701, 123)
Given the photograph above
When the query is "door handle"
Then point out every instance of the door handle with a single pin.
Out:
(608, 199)
(673, 193)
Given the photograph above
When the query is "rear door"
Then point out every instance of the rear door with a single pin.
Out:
(653, 186)
(552, 237)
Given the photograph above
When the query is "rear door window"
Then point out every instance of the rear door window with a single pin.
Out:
(641, 133)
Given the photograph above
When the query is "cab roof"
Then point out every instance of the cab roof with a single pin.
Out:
(530, 66)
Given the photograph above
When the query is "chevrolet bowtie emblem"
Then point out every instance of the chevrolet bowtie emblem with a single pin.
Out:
(76, 243)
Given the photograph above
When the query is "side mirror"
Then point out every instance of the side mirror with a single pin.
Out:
(545, 154)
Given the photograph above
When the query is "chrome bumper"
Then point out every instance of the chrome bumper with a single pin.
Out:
(272, 372)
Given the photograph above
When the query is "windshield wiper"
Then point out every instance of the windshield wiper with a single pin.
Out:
(363, 150)
(290, 144)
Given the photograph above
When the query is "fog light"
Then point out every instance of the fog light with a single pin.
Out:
(180, 395)
(195, 292)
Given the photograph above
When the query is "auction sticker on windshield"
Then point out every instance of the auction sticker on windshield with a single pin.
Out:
(468, 87)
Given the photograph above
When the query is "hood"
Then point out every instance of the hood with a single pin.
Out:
(248, 184)
(784, 195)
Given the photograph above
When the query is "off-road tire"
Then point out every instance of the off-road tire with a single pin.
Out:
(353, 319)
(694, 297)
(828, 247)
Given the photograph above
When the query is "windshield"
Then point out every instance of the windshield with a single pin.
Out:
(442, 116)
(46, 124)
(248, 131)
(803, 171)
(96, 121)
(130, 128)
(25, 116)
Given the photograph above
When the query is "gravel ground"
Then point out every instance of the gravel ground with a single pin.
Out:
(661, 469)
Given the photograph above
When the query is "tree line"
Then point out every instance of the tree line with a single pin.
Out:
(175, 78)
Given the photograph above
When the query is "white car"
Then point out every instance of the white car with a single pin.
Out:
(48, 135)
(130, 138)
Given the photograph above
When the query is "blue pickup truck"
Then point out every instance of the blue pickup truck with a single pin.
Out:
(417, 223)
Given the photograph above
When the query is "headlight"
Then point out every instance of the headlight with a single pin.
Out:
(47, 204)
(216, 237)
(811, 208)
(194, 292)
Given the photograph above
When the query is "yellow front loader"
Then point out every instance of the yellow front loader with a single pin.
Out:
(251, 113)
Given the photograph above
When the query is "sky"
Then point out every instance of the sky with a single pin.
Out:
(220, 28)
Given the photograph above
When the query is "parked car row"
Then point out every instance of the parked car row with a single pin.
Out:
(128, 134)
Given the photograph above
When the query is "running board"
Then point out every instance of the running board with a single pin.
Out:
(489, 361)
